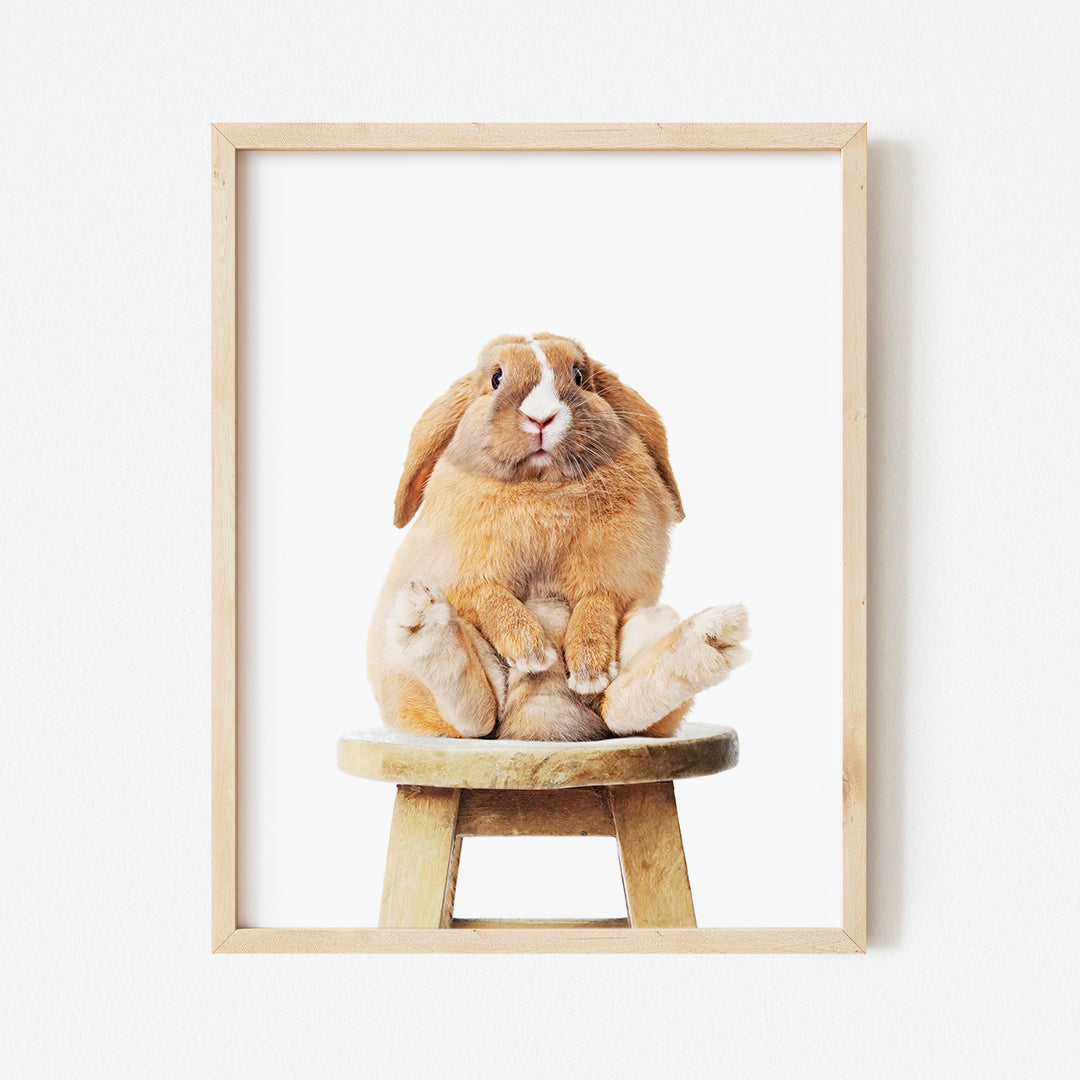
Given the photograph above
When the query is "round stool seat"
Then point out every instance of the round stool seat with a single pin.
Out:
(513, 764)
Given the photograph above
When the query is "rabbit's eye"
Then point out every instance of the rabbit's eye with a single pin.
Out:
(578, 377)
(496, 379)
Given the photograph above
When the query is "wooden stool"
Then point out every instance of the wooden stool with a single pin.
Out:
(450, 788)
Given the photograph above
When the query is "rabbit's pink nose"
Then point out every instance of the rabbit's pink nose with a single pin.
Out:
(541, 424)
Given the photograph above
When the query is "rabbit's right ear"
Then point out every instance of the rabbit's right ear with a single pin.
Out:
(429, 439)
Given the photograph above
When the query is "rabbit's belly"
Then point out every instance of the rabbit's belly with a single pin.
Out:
(538, 540)
(515, 544)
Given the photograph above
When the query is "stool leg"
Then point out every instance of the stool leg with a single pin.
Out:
(423, 835)
(451, 886)
(651, 853)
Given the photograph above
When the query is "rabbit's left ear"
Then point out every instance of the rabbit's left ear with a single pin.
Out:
(429, 439)
(638, 414)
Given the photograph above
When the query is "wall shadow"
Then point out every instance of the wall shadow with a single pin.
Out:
(894, 249)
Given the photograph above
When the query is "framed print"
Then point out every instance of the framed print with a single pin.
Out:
(712, 275)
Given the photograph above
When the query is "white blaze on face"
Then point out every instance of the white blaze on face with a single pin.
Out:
(543, 401)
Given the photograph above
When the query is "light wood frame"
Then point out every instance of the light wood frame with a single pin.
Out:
(227, 140)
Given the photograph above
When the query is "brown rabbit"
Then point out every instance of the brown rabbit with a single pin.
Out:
(523, 600)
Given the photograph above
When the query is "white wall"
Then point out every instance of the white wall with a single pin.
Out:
(104, 527)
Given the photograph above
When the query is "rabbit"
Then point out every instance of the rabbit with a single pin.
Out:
(523, 601)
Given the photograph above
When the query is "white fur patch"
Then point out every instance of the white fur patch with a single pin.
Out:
(543, 401)
(645, 626)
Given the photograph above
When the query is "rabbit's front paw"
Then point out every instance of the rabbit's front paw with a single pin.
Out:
(590, 659)
(523, 645)
(586, 681)
(536, 659)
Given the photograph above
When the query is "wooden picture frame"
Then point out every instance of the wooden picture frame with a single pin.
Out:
(229, 140)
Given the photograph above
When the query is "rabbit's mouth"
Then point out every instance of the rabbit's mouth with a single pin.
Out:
(541, 463)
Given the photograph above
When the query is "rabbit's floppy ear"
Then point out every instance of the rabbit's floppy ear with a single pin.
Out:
(638, 414)
(429, 439)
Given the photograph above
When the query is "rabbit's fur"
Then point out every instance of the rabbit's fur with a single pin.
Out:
(523, 601)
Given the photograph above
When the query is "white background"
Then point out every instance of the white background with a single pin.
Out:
(104, 453)
(711, 283)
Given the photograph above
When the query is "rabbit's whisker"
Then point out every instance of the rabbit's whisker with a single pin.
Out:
(585, 488)
(603, 463)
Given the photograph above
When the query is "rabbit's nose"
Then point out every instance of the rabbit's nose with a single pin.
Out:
(540, 424)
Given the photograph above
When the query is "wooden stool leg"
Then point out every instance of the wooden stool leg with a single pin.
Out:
(420, 858)
(651, 853)
(451, 886)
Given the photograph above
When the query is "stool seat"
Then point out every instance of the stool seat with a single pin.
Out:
(448, 789)
(518, 765)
